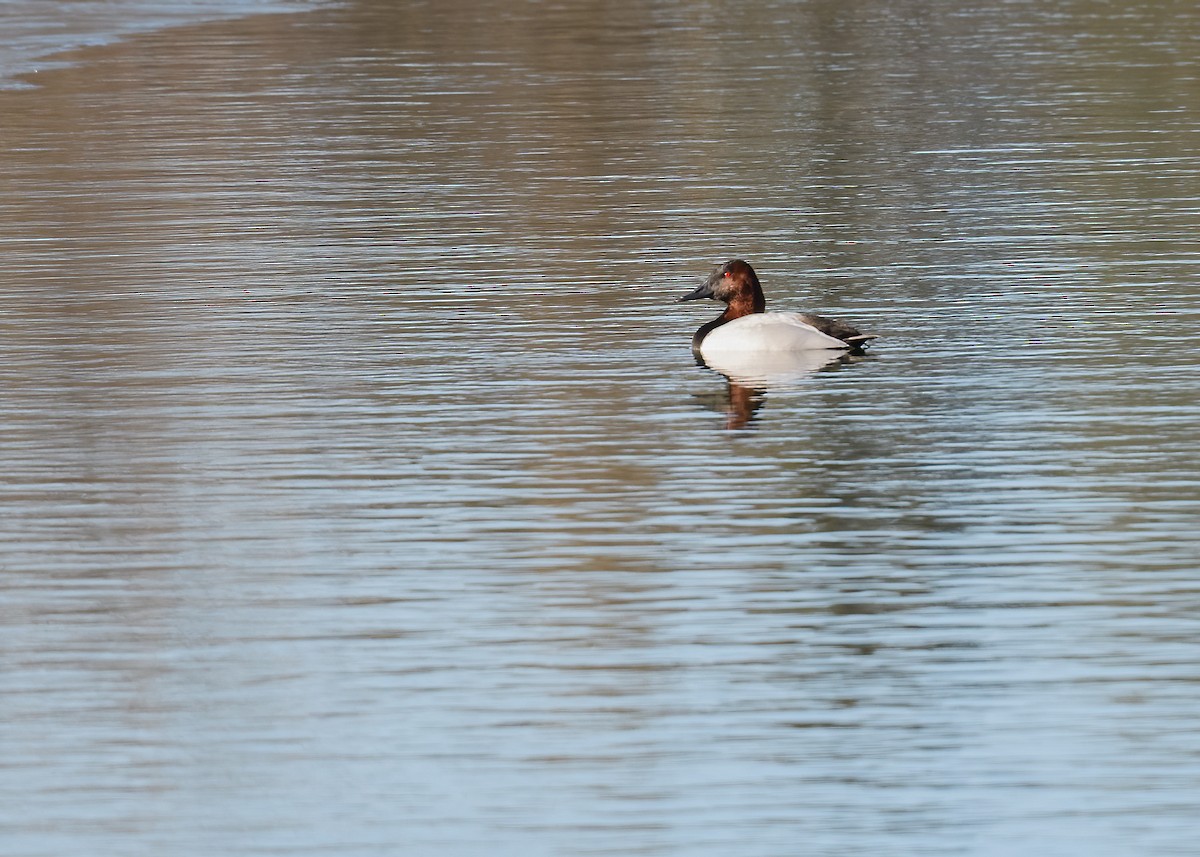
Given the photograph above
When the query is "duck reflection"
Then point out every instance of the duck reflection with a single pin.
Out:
(743, 404)
(750, 376)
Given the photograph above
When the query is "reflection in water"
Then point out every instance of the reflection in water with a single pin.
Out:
(739, 403)
(778, 368)
(744, 402)
(355, 493)
(749, 375)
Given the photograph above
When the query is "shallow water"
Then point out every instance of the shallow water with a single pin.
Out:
(361, 495)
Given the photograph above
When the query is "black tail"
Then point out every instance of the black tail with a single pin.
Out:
(858, 342)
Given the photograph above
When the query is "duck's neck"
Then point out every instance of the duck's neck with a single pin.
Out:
(744, 304)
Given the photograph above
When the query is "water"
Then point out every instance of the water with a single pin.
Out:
(361, 496)
(38, 34)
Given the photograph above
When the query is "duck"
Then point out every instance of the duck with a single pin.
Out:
(746, 326)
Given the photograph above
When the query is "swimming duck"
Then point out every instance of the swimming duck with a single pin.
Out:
(747, 326)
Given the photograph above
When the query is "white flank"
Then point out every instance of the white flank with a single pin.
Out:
(767, 331)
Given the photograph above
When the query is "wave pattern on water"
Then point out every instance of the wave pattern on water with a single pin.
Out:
(39, 35)
(360, 489)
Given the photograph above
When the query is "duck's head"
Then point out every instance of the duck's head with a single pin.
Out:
(733, 283)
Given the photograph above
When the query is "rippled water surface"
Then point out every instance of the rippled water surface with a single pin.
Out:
(361, 495)
(36, 34)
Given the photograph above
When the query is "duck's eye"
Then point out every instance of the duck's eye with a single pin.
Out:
(728, 275)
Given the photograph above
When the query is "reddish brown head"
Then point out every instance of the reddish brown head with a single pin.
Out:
(735, 284)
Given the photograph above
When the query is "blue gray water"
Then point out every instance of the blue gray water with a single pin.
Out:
(361, 496)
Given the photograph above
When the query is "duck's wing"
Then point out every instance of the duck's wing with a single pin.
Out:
(837, 328)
